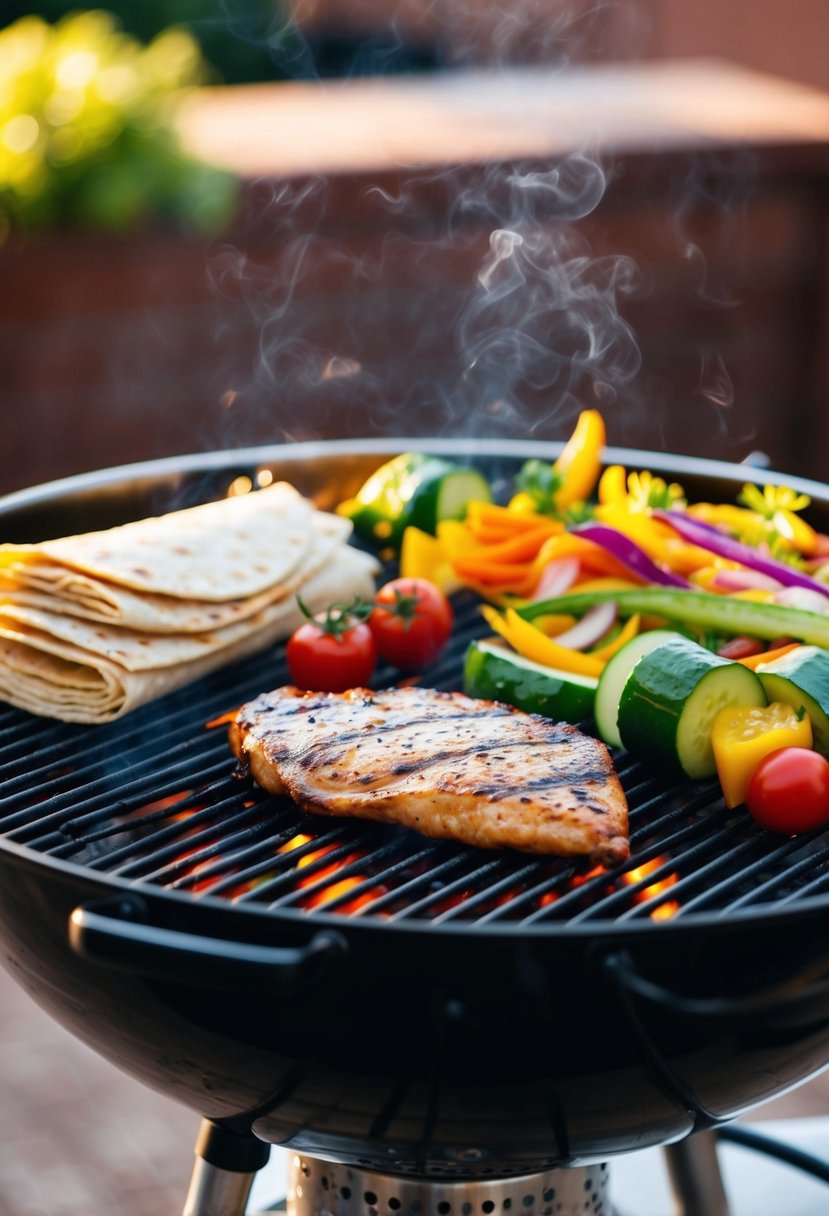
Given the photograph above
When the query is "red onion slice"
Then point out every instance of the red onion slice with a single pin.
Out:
(744, 580)
(557, 577)
(715, 541)
(629, 554)
(802, 597)
(590, 629)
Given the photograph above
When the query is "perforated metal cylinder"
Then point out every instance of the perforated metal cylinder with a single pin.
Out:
(323, 1188)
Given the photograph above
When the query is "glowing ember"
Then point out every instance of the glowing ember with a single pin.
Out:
(578, 880)
(161, 804)
(639, 873)
(296, 842)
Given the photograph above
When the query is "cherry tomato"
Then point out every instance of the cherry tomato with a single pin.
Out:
(789, 790)
(331, 654)
(411, 622)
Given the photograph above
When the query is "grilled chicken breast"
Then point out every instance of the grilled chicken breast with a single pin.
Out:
(438, 762)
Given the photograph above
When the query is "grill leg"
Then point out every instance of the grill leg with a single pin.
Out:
(694, 1171)
(226, 1165)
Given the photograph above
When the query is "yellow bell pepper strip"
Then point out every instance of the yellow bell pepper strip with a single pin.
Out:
(628, 631)
(800, 535)
(768, 520)
(522, 504)
(553, 488)
(534, 645)
(555, 623)
(424, 556)
(741, 736)
(605, 583)
(580, 461)
(457, 540)
(659, 541)
(613, 485)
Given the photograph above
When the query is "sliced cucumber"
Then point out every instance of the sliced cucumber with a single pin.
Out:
(443, 493)
(671, 698)
(413, 488)
(496, 674)
(801, 678)
(614, 677)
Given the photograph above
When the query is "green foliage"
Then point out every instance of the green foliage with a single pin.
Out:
(86, 134)
(243, 40)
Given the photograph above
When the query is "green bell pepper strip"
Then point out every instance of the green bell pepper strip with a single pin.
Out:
(702, 609)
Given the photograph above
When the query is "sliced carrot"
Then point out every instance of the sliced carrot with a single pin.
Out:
(768, 656)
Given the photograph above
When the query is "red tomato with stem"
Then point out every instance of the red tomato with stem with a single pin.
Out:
(789, 791)
(331, 652)
(411, 622)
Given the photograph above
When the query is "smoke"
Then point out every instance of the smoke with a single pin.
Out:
(542, 323)
(468, 300)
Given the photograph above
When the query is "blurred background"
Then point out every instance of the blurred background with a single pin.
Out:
(226, 222)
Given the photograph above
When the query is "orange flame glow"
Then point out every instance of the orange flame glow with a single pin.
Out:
(665, 910)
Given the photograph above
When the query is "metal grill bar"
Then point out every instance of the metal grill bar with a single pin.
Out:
(153, 799)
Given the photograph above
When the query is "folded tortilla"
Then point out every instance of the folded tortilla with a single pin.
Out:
(94, 625)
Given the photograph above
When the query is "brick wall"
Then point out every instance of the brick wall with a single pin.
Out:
(349, 303)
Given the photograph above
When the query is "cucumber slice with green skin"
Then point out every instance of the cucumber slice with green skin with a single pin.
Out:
(442, 493)
(614, 677)
(496, 674)
(413, 488)
(670, 700)
(801, 678)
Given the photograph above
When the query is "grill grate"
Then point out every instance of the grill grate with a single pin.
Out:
(154, 799)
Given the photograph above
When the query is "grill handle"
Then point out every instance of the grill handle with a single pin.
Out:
(115, 933)
(800, 1002)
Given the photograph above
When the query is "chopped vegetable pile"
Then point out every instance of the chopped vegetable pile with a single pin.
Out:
(697, 633)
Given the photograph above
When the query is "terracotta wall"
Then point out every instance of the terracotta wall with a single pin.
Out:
(788, 40)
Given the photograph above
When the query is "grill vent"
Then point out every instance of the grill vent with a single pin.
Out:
(340, 1190)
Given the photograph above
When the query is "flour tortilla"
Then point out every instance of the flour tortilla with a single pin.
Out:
(42, 585)
(227, 550)
(67, 668)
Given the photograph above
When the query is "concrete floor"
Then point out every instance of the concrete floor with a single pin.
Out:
(78, 1138)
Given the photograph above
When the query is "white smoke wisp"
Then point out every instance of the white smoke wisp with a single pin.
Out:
(541, 333)
(479, 277)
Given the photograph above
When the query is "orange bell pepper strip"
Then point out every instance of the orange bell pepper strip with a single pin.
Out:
(592, 557)
(490, 523)
(768, 656)
(580, 461)
(524, 547)
(534, 645)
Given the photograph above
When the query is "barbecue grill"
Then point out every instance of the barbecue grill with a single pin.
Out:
(412, 1017)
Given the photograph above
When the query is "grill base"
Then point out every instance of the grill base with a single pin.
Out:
(226, 1164)
(324, 1188)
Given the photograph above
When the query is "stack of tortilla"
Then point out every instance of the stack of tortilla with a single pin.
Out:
(92, 626)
